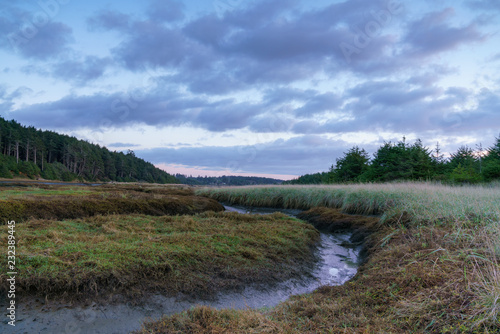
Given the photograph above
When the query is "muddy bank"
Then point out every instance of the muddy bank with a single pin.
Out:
(334, 221)
(71, 208)
(27, 183)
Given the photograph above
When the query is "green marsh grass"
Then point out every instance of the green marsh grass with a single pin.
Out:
(133, 255)
(432, 267)
(34, 191)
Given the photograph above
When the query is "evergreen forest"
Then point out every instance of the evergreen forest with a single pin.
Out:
(26, 152)
(226, 180)
(415, 162)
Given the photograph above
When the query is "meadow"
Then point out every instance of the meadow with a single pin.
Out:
(432, 266)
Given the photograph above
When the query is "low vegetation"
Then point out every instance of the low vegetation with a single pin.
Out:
(133, 255)
(225, 180)
(397, 203)
(433, 265)
(69, 202)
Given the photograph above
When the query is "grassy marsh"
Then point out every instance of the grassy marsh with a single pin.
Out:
(80, 242)
(433, 265)
(58, 202)
(135, 254)
(414, 203)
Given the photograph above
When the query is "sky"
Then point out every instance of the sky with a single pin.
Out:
(275, 88)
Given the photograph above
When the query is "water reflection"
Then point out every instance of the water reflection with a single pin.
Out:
(337, 264)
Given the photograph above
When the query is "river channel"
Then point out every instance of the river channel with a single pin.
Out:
(336, 265)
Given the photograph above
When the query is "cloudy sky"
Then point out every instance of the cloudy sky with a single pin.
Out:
(274, 87)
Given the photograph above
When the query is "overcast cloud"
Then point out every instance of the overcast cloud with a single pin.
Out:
(262, 87)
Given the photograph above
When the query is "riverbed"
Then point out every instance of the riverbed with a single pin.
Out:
(336, 265)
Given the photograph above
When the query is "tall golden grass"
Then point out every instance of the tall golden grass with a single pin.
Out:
(419, 202)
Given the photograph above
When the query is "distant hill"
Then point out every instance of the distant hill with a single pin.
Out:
(226, 180)
(28, 152)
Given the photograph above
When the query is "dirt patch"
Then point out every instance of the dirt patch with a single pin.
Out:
(333, 220)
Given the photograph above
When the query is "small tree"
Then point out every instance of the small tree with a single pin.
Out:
(463, 166)
(463, 174)
(464, 156)
(400, 162)
(439, 163)
(491, 170)
(351, 165)
(421, 161)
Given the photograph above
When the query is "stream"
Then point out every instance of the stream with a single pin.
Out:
(337, 265)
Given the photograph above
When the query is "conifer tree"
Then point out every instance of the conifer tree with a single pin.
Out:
(351, 166)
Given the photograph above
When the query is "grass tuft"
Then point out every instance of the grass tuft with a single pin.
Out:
(486, 286)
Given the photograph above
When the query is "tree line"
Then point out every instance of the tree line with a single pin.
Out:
(28, 152)
(404, 161)
(226, 180)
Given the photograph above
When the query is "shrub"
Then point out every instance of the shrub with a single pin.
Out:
(4, 172)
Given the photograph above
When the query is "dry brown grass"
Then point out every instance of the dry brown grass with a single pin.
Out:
(69, 202)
